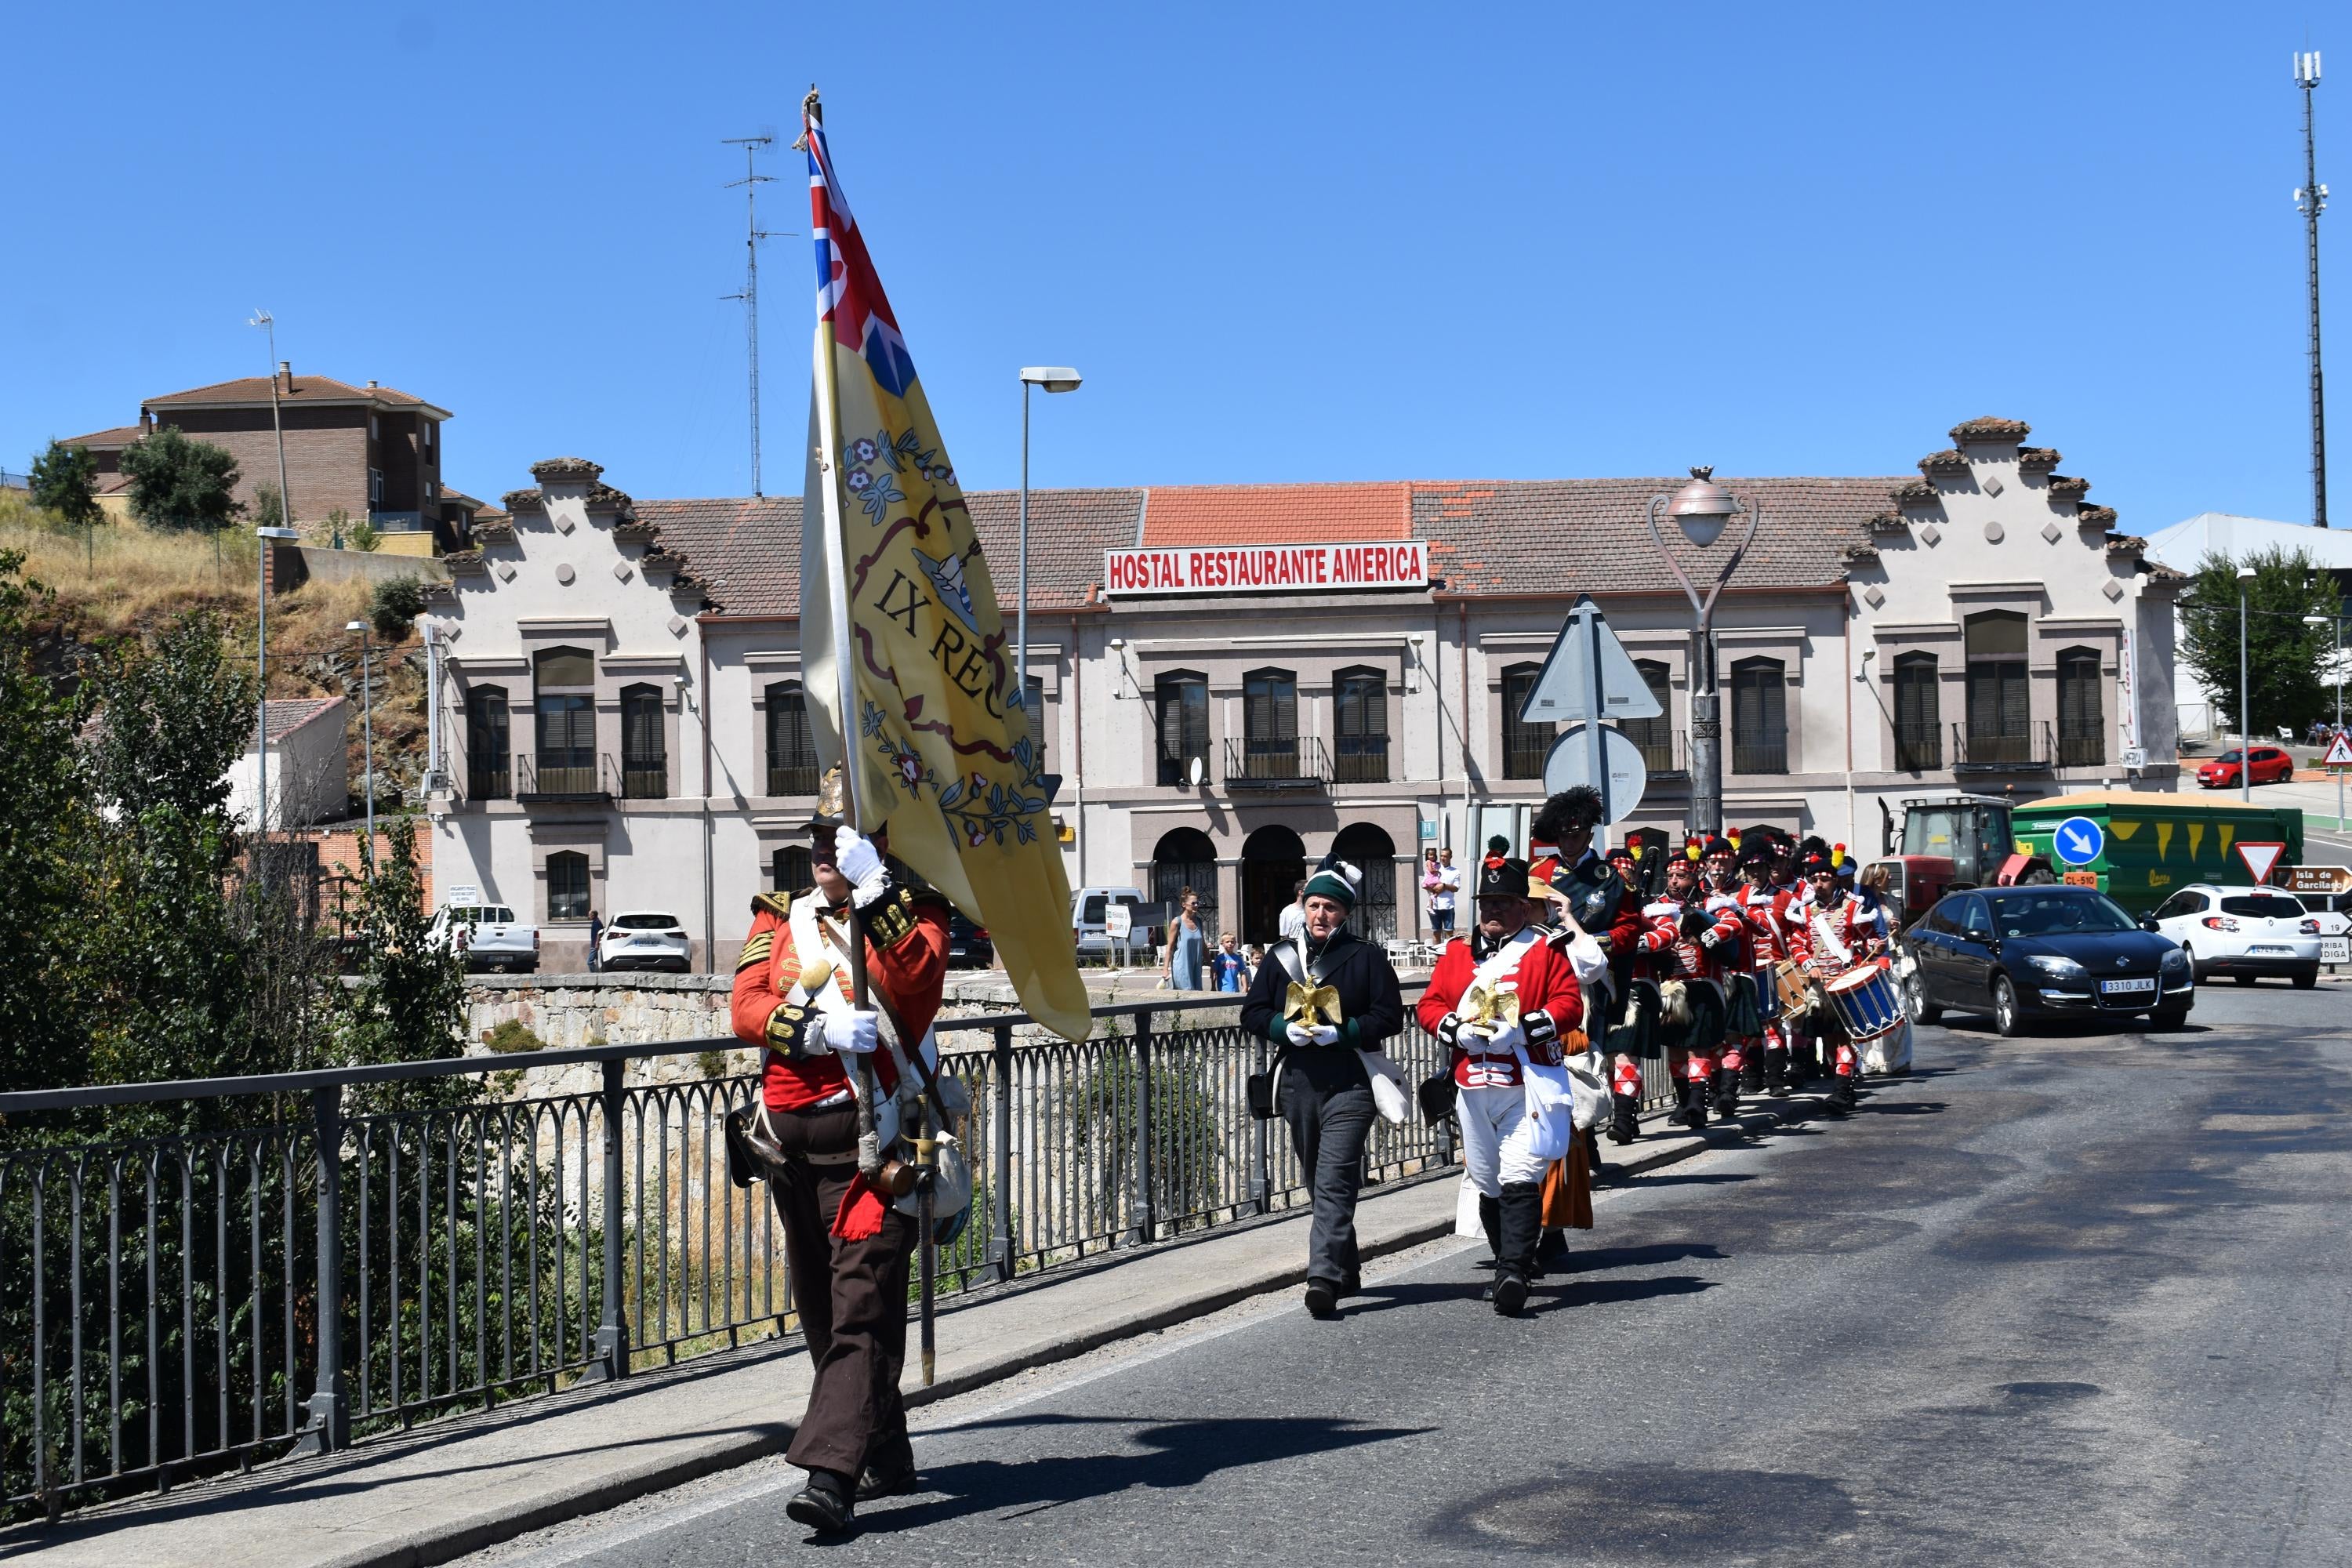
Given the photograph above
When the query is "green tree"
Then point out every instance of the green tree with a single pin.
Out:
(408, 1003)
(268, 507)
(2284, 657)
(174, 719)
(398, 603)
(179, 483)
(65, 481)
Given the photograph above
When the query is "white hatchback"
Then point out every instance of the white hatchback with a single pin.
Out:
(2243, 933)
(645, 939)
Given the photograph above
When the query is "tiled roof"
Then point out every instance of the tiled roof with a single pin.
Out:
(316, 388)
(283, 715)
(121, 436)
(1276, 514)
(1593, 535)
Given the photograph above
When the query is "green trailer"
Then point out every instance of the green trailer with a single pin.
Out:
(2150, 846)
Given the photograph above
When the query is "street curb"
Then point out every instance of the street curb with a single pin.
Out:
(439, 1545)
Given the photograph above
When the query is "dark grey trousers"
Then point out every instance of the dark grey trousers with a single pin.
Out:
(1327, 1098)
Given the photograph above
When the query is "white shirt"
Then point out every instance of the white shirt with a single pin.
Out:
(1293, 921)
(1449, 883)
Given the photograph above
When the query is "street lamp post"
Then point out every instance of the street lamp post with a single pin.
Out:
(2245, 696)
(261, 670)
(367, 741)
(1703, 506)
(2336, 679)
(1053, 378)
(268, 323)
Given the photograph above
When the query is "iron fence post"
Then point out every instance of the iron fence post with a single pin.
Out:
(1261, 1155)
(329, 1426)
(1000, 1162)
(612, 1353)
(1148, 1205)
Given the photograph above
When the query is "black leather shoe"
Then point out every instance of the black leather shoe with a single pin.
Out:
(1510, 1296)
(823, 1505)
(1322, 1300)
(874, 1483)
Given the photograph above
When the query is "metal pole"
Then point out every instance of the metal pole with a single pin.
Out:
(367, 745)
(1146, 1179)
(611, 1351)
(2245, 706)
(330, 1425)
(261, 668)
(1000, 1159)
(1596, 753)
(2313, 200)
(1021, 654)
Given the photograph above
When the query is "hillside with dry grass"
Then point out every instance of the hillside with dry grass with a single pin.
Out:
(123, 580)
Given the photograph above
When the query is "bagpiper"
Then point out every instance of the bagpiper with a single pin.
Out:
(1692, 950)
(1327, 1001)
(1743, 1019)
(1500, 999)
(846, 1243)
(1841, 932)
(1773, 921)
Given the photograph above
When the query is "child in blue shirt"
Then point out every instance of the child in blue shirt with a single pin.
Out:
(1227, 969)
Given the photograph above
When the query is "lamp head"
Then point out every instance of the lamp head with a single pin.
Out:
(359, 627)
(277, 533)
(1052, 377)
(2245, 573)
(1702, 507)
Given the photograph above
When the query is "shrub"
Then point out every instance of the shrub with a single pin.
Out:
(397, 603)
(510, 1036)
(364, 535)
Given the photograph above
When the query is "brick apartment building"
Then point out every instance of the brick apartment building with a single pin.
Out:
(372, 451)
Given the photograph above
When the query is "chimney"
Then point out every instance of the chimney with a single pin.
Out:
(286, 377)
(146, 423)
(371, 386)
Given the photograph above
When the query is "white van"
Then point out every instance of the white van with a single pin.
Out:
(488, 936)
(1088, 907)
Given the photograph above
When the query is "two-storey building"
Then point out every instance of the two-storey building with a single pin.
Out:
(1233, 681)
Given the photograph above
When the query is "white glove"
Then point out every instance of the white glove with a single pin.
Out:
(1301, 1034)
(1706, 939)
(1504, 1038)
(860, 865)
(850, 1031)
(1325, 1033)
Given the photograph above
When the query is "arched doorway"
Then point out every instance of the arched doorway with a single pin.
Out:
(1372, 851)
(1185, 858)
(1274, 862)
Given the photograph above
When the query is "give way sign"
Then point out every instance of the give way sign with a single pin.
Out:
(2259, 857)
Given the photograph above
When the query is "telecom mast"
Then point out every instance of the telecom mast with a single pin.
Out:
(2312, 200)
(752, 235)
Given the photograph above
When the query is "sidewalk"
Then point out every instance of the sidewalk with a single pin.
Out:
(470, 1481)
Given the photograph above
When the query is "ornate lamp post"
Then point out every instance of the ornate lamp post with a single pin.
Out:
(1703, 506)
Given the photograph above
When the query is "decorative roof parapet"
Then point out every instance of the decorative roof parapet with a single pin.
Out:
(1917, 492)
(465, 563)
(2157, 571)
(1858, 555)
(601, 496)
(1950, 460)
(2096, 516)
(566, 469)
(2126, 544)
(1989, 428)
(493, 533)
(632, 531)
(524, 500)
(2066, 487)
(2031, 460)
(1890, 522)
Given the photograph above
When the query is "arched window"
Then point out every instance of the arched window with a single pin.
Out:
(1371, 850)
(1184, 857)
(2081, 712)
(566, 712)
(1274, 864)
(567, 886)
(1180, 703)
(1760, 717)
(1525, 746)
(789, 872)
(1654, 736)
(792, 758)
(1270, 724)
(487, 757)
(1918, 714)
(1359, 729)
(1999, 707)
(644, 744)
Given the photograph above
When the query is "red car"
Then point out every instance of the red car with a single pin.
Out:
(2269, 765)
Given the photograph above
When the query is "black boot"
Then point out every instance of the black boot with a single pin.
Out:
(1490, 1217)
(1776, 1069)
(1840, 1099)
(1690, 1107)
(1522, 1229)
(823, 1505)
(1625, 1120)
(1727, 1094)
(1752, 1074)
(1322, 1300)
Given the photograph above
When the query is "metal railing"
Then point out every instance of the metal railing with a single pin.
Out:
(1759, 752)
(1277, 761)
(2083, 750)
(1664, 751)
(486, 777)
(644, 775)
(1359, 759)
(1918, 747)
(2017, 745)
(1524, 750)
(474, 1231)
(557, 776)
(797, 777)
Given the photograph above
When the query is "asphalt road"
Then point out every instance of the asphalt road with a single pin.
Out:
(2076, 1299)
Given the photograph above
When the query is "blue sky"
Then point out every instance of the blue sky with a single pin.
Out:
(1281, 242)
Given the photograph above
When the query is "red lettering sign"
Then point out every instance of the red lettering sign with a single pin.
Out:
(1266, 568)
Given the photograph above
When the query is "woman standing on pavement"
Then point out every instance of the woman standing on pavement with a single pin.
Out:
(1188, 945)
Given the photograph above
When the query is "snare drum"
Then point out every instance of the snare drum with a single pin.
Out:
(1795, 987)
(1864, 1002)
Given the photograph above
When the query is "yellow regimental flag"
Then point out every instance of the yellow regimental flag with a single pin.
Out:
(905, 658)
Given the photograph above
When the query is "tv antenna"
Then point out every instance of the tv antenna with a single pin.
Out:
(752, 235)
(2312, 200)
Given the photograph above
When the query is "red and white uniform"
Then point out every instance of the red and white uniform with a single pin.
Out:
(1838, 937)
(906, 961)
(1698, 962)
(1775, 921)
(1498, 1136)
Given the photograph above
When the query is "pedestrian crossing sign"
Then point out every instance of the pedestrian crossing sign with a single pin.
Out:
(2340, 751)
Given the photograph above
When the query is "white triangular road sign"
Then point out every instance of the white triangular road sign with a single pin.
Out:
(2259, 857)
(1565, 691)
(2340, 751)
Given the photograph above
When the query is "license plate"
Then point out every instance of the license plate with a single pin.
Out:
(2127, 987)
(2335, 949)
(2272, 949)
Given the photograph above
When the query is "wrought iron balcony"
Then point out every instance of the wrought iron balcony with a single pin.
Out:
(1277, 761)
(1665, 753)
(1759, 753)
(1918, 747)
(794, 775)
(2013, 748)
(560, 777)
(1359, 759)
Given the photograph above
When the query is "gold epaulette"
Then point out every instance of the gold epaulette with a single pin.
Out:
(756, 950)
(777, 904)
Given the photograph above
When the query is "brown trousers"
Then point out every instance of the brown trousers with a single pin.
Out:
(852, 1299)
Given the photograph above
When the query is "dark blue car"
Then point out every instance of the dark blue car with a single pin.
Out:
(2016, 955)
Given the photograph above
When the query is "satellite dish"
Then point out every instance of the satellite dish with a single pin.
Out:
(1197, 771)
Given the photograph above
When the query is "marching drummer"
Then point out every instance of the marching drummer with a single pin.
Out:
(1842, 934)
(1693, 949)
(1773, 921)
(1743, 1020)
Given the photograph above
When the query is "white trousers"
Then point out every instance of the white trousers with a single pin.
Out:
(1498, 1138)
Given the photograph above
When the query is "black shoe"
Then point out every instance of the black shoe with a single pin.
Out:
(1726, 1093)
(1625, 1122)
(899, 1480)
(1509, 1296)
(1776, 1072)
(823, 1505)
(1692, 1114)
(1322, 1300)
(1751, 1073)
(1840, 1098)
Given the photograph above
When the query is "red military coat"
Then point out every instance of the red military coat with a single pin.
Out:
(906, 961)
(1550, 1001)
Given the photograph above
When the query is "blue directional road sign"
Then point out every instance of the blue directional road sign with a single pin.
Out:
(2078, 841)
